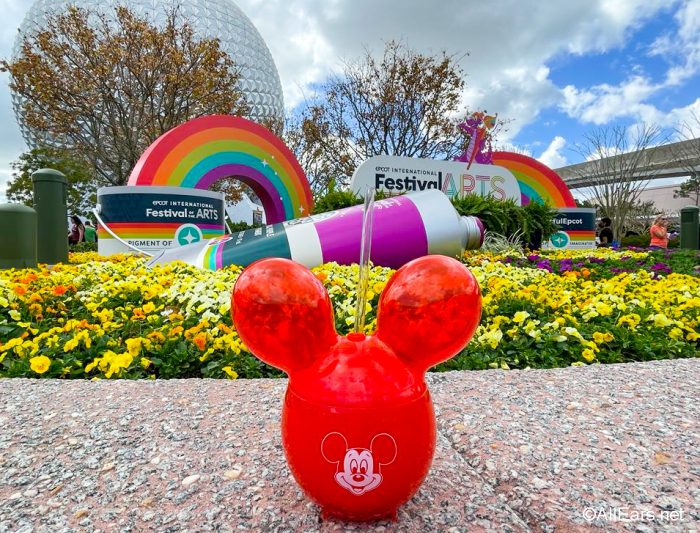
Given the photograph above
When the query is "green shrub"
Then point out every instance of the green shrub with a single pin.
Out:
(336, 200)
(539, 222)
(533, 221)
(83, 247)
(240, 226)
(643, 241)
(637, 241)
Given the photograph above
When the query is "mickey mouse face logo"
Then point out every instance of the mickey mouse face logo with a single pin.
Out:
(360, 466)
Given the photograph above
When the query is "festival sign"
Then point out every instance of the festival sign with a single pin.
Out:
(576, 229)
(398, 175)
(156, 218)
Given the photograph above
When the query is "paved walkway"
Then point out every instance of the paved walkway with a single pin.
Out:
(581, 449)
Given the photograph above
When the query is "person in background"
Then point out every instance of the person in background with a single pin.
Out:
(90, 232)
(659, 232)
(77, 230)
(606, 234)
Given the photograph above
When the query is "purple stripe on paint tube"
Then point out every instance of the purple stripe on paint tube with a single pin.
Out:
(398, 234)
(219, 256)
(269, 196)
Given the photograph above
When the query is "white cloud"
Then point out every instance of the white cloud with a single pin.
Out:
(552, 156)
(507, 67)
(604, 103)
(682, 45)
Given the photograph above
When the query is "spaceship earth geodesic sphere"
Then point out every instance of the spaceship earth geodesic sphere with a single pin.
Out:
(222, 19)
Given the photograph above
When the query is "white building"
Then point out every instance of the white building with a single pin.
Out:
(663, 198)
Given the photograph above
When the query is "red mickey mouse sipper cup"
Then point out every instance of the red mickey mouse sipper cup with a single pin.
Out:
(358, 427)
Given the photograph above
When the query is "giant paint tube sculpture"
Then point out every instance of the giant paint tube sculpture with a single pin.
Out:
(358, 426)
(405, 227)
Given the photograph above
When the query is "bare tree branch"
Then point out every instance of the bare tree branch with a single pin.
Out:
(616, 156)
(403, 103)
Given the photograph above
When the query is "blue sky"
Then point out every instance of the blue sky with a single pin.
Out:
(556, 69)
(637, 58)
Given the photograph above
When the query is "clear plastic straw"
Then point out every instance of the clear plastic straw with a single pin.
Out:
(365, 250)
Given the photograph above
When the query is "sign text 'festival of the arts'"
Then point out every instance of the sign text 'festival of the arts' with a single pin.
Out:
(398, 175)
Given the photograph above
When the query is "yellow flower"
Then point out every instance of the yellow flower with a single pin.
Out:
(603, 309)
(206, 355)
(106, 315)
(520, 317)
(40, 364)
(601, 338)
(149, 308)
(379, 286)
(661, 320)
(145, 362)
(631, 321)
(499, 320)
(71, 344)
(15, 315)
(150, 292)
(133, 346)
(230, 372)
(588, 355)
(492, 337)
(118, 363)
(676, 333)
(157, 336)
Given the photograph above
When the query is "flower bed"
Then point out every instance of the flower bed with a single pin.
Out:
(116, 318)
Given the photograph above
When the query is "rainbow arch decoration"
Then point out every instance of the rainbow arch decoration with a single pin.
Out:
(537, 182)
(206, 149)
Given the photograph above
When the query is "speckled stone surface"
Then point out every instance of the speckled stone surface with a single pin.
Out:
(599, 448)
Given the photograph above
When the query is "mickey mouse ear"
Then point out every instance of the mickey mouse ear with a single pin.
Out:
(282, 312)
(383, 448)
(429, 310)
(333, 447)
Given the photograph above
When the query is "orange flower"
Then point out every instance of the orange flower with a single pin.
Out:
(59, 290)
(585, 272)
(322, 276)
(19, 290)
(28, 278)
(200, 340)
